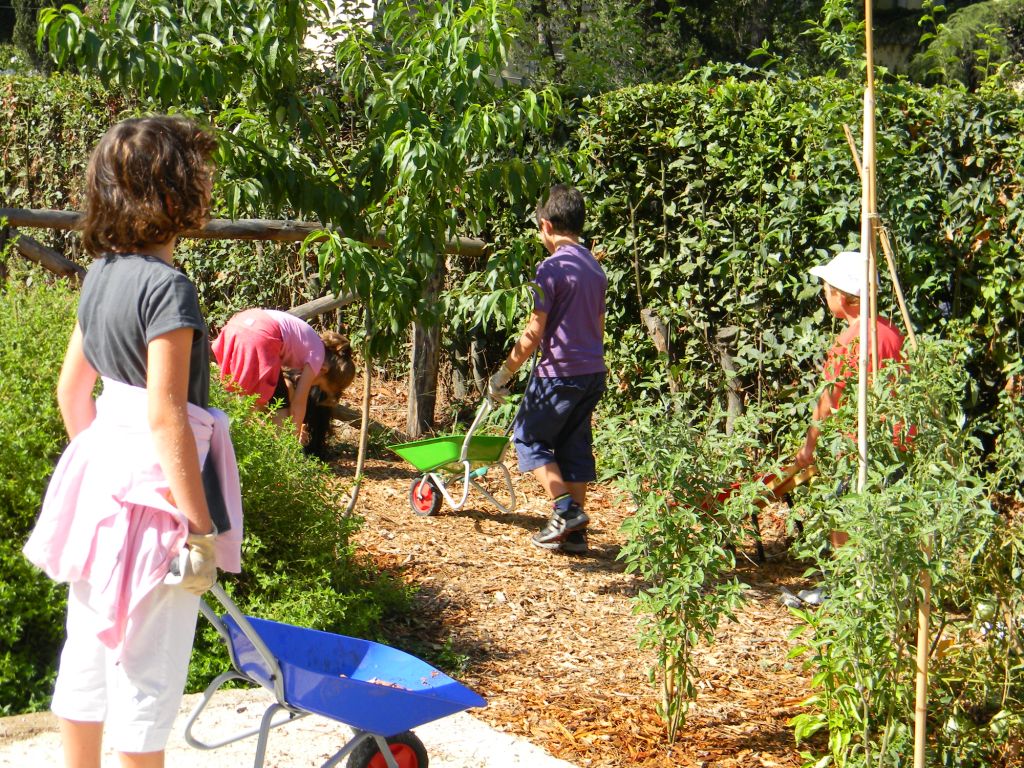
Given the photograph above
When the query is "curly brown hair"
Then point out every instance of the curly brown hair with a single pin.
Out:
(149, 179)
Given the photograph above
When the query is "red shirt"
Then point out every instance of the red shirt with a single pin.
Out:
(843, 361)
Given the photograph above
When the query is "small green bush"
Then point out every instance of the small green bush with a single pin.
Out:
(35, 323)
(299, 564)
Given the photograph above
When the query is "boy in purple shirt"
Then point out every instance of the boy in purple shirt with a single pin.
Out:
(552, 434)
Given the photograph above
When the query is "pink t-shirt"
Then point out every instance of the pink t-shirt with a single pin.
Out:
(300, 344)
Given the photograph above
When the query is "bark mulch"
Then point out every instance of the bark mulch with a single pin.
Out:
(550, 639)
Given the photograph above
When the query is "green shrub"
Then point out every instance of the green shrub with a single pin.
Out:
(299, 564)
(35, 324)
(712, 197)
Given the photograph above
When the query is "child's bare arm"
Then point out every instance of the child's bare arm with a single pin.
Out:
(826, 405)
(74, 388)
(167, 389)
(299, 397)
(528, 342)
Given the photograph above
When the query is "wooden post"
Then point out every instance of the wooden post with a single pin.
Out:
(48, 258)
(323, 304)
(423, 365)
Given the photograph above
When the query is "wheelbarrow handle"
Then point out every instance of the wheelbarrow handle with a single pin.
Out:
(481, 413)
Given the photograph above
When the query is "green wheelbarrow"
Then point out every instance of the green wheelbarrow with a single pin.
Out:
(447, 461)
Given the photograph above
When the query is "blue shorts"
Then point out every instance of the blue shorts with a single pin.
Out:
(553, 425)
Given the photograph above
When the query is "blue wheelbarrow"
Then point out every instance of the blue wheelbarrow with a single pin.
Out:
(378, 691)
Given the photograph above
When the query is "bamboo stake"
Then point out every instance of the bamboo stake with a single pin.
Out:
(921, 686)
(868, 214)
(883, 237)
(890, 258)
(867, 247)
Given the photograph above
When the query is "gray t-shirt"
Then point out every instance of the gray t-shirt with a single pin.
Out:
(127, 301)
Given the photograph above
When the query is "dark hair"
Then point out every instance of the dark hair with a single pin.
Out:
(148, 180)
(565, 209)
(338, 359)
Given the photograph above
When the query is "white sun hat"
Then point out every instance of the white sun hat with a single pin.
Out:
(845, 272)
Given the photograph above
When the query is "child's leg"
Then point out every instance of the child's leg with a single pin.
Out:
(79, 697)
(142, 759)
(147, 681)
(82, 743)
(578, 491)
(550, 478)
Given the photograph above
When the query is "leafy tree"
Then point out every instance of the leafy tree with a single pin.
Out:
(975, 43)
(24, 33)
(604, 44)
(404, 133)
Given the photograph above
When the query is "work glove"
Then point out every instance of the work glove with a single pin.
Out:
(195, 568)
(497, 386)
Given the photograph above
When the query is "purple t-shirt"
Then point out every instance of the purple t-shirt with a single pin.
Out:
(572, 287)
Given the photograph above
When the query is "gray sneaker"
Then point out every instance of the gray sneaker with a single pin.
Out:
(575, 542)
(815, 596)
(559, 525)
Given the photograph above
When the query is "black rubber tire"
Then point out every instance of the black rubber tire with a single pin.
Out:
(410, 752)
(424, 501)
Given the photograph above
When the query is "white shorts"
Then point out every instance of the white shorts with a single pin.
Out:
(137, 696)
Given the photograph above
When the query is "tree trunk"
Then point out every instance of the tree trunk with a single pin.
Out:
(733, 391)
(424, 363)
(660, 337)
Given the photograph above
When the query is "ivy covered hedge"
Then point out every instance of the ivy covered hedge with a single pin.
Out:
(51, 126)
(713, 196)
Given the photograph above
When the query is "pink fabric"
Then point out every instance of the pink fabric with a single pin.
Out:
(301, 345)
(249, 352)
(106, 519)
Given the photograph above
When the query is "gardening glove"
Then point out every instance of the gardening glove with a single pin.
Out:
(196, 565)
(497, 386)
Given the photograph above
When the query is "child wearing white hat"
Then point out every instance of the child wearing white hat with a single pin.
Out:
(842, 278)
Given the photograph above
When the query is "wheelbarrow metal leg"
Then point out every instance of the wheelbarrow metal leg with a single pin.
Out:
(345, 751)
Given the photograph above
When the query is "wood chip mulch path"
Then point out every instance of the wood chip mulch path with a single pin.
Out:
(549, 638)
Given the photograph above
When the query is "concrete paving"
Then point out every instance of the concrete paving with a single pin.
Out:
(458, 741)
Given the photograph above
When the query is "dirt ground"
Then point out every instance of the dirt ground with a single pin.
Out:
(549, 638)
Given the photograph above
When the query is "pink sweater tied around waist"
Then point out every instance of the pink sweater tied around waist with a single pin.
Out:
(106, 518)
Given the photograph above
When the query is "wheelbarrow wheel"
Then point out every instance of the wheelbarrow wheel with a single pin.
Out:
(424, 496)
(406, 748)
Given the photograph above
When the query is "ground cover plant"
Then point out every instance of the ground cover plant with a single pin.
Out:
(300, 565)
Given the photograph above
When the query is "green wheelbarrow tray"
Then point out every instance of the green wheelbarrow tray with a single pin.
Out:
(442, 460)
(428, 455)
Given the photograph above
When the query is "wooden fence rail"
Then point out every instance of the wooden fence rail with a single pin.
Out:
(225, 229)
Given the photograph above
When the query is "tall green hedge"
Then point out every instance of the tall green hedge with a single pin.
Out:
(713, 196)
